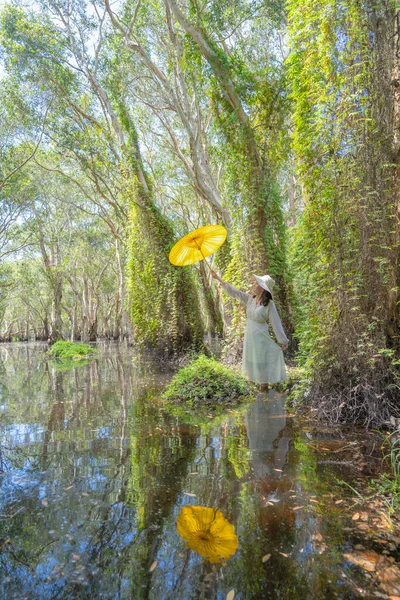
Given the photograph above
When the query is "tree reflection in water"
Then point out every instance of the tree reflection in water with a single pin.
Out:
(95, 475)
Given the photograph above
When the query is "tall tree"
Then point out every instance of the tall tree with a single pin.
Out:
(242, 93)
(346, 249)
(229, 142)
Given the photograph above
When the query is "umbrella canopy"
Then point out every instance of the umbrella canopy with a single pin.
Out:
(207, 532)
(197, 245)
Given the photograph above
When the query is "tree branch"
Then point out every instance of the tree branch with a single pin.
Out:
(2, 184)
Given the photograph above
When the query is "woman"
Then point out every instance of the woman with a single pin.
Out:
(263, 360)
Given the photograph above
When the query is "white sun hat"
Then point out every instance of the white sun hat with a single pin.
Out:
(266, 282)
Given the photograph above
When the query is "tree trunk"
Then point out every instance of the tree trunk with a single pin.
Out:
(118, 316)
(27, 325)
(394, 297)
(85, 312)
(46, 329)
(213, 312)
(56, 321)
(257, 200)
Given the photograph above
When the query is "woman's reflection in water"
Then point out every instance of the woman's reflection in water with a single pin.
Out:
(269, 439)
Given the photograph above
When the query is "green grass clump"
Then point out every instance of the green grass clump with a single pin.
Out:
(207, 382)
(388, 484)
(71, 350)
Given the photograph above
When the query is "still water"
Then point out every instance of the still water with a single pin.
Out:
(105, 495)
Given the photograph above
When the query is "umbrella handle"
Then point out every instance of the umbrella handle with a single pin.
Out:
(206, 261)
(204, 258)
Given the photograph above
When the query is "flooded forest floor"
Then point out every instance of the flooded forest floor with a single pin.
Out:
(103, 494)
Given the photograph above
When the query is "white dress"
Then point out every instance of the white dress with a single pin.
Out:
(262, 358)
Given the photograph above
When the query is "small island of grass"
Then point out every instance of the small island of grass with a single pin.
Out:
(206, 382)
(71, 350)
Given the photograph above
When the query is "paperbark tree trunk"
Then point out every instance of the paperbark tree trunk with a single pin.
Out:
(394, 297)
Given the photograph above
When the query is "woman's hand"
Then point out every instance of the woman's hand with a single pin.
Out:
(215, 276)
(284, 347)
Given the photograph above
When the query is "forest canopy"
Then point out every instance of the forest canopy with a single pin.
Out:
(124, 126)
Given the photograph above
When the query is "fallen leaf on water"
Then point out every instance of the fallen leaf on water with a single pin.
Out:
(190, 494)
(366, 560)
(266, 557)
(318, 537)
(356, 516)
(153, 566)
(230, 595)
(45, 502)
(68, 488)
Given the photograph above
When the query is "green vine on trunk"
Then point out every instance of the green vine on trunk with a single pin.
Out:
(344, 243)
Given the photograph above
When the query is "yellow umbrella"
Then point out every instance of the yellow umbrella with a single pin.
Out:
(207, 532)
(197, 245)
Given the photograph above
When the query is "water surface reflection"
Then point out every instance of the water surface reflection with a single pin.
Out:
(94, 477)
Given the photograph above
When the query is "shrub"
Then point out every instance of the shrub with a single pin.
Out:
(71, 350)
(205, 381)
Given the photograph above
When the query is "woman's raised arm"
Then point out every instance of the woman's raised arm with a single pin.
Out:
(231, 290)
